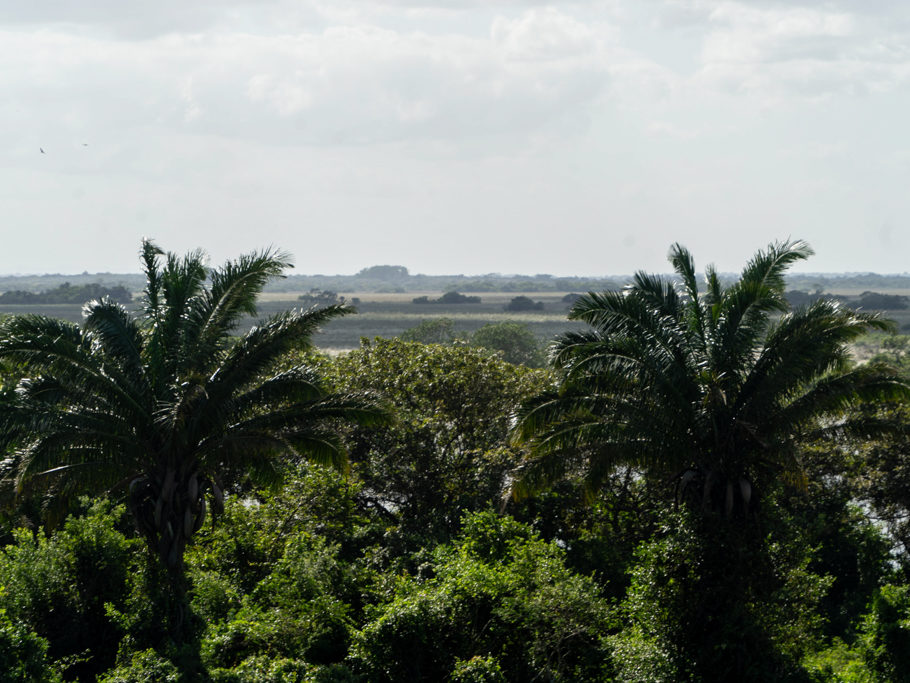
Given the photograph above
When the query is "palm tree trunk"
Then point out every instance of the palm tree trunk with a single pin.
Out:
(168, 510)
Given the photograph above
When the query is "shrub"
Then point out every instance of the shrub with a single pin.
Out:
(477, 670)
(883, 302)
(299, 610)
(514, 341)
(523, 303)
(69, 294)
(146, 666)
(447, 298)
(498, 591)
(320, 297)
(435, 331)
(60, 586)
(448, 451)
(456, 298)
(838, 662)
(885, 636)
(724, 608)
(23, 654)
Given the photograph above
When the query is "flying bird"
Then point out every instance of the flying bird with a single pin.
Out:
(41, 150)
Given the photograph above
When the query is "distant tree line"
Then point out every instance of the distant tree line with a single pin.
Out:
(391, 278)
(388, 279)
(68, 294)
(883, 302)
(868, 300)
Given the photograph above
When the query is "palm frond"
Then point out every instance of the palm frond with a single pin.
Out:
(95, 454)
(667, 382)
(833, 396)
(152, 269)
(181, 280)
(802, 346)
(257, 352)
(233, 293)
(111, 324)
(659, 294)
(300, 384)
(61, 349)
(684, 265)
(766, 269)
(167, 399)
(745, 306)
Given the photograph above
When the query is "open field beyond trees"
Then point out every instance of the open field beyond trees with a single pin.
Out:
(389, 314)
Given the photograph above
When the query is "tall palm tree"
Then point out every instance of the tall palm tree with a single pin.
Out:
(166, 407)
(712, 388)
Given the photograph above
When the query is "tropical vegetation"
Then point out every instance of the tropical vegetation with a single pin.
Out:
(713, 388)
(166, 409)
(702, 486)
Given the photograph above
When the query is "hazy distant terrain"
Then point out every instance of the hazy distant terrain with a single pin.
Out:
(367, 280)
(383, 297)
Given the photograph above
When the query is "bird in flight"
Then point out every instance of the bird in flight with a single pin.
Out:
(41, 150)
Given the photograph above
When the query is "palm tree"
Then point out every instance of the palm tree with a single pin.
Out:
(166, 407)
(713, 389)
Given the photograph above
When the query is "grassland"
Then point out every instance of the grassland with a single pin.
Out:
(383, 315)
(390, 314)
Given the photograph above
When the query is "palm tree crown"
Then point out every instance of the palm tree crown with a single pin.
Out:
(167, 406)
(713, 387)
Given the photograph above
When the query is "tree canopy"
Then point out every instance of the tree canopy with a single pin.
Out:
(712, 386)
(165, 408)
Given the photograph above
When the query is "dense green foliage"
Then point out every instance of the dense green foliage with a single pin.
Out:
(433, 331)
(448, 450)
(705, 387)
(514, 341)
(499, 593)
(23, 653)
(164, 407)
(413, 564)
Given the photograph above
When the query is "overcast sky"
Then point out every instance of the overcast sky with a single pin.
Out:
(474, 136)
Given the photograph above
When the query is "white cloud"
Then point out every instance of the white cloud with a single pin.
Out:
(543, 35)
(743, 33)
(344, 84)
(776, 52)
